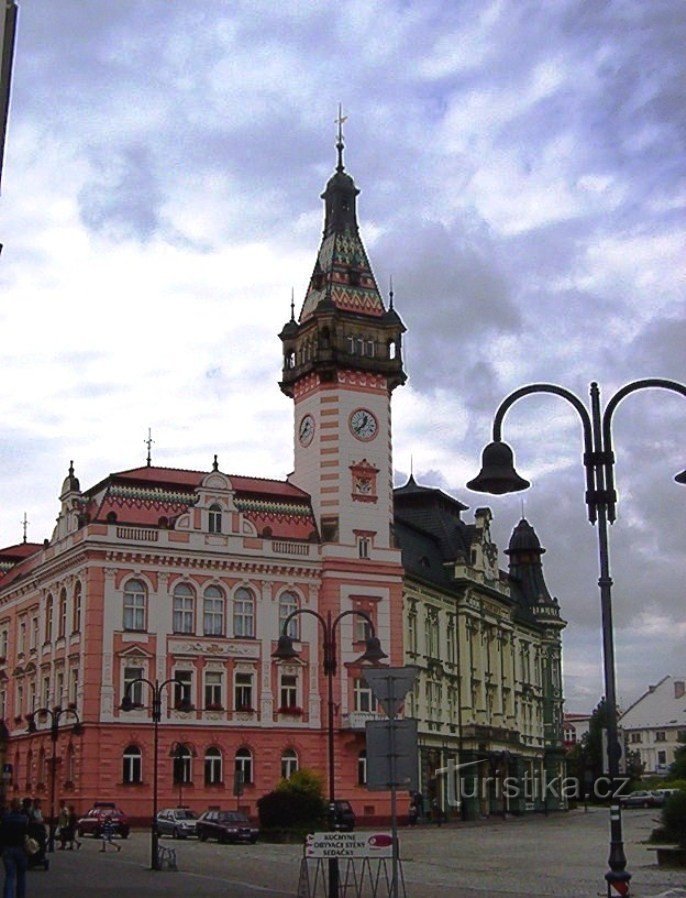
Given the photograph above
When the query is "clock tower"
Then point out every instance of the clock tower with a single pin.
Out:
(342, 359)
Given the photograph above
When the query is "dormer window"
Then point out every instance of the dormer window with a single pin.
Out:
(215, 519)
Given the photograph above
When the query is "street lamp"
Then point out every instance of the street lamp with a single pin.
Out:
(128, 704)
(286, 651)
(498, 476)
(55, 714)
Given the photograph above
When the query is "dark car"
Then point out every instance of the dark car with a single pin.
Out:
(226, 826)
(92, 823)
(176, 822)
(343, 815)
(641, 799)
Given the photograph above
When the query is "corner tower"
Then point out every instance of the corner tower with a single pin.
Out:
(342, 359)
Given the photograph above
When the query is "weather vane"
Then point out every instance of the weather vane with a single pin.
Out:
(149, 443)
(25, 524)
(340, 143)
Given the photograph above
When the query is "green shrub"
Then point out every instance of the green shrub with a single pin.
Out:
(296, 804)
(674, 817)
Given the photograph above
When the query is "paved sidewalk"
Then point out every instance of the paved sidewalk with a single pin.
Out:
(562, 855)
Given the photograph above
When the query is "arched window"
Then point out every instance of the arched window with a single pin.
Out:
(135, 596)
(62, 615)
(132, 765)
(244, 613)
(49, 608)
(289, 763)
(213, 612)
(243, 765)
(213, 767)
(288, 603)
(362, 768)
(76, 611)
(183, 761)
(215, 518)
(184, 609)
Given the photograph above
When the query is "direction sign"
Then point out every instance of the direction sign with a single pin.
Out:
(330, 845)
(390, 685)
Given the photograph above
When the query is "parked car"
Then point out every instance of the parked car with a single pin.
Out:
(176, 822)
(642, 799)
(226, 826)
(343, 815)
(667, 793)
(91, 824)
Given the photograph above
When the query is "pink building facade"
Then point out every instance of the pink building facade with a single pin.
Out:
(168, 575)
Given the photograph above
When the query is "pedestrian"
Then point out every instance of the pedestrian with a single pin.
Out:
(13, 832)
(63, 824)
(70, 834)
(436, 812)
(108, 834)
(413, 813)
(37, 810)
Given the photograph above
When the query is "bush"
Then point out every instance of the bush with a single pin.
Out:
(674, 817)
(296, 804)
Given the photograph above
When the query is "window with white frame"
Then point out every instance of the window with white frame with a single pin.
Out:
(21, 641)
(661, 758)
(183, 688)
(133, 685)
(135, 596)
(183, 765)
(363, 697)
(19, 699)
(33, 641)
(59, 688)
(412, 632)
(76, 610)
(213, 767)
(214, 683)
(49, 608)
(288, 691)
(183, 616)
(213, 612)
(362, 629)
(73, 685)
(243, 765)
(243, 691)
(244, 613)
(362, 768)
(363, 546)
(215, 518)
(62, 615)
(288, 603)
(4, 640)
(289, 763)
(432, 633)
(31, 693)
(3, 701)
(132, 765)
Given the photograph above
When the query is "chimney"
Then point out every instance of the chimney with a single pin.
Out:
(679, 688)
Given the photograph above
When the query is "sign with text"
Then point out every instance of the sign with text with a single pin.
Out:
(330, 845)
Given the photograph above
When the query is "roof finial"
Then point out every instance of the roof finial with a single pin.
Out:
(25, 524)
(521, 499)
(292, 304)
(340, 144)
(149, 443)
(71, 468)
(390, 292)
(215, 463)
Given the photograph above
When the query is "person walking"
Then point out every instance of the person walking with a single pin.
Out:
(13, 832)
(108, 834)
(69, 833)
(63, 824)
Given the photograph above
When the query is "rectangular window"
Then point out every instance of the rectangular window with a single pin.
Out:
(21, 642)
(73, 685)
(45, 693)
(363, 698)
(660, 736)
(131, 767)
(34, 634)
(213, 689)
(183, 614)
(62, 617)
(243, 618)
(662, 758)
(412, 633)
(59, 688)
(4, 642)
(288, 692)
(362, 628)
(134, 611)
(363, 546)
(213, 616)
(636, 737)
(133, 690)
(243, 686)
(183, 688)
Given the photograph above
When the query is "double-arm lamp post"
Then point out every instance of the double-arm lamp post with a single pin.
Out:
(373, 654)
(128, 705)
(498, 476)
(55, 714)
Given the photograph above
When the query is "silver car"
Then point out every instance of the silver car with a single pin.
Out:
(176, 822)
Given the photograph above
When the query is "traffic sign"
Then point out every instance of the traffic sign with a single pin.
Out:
(390, 685)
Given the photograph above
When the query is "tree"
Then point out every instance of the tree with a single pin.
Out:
(677, 769)
(296, 804)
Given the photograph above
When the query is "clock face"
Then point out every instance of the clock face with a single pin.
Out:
(363, 424)
(306, 430)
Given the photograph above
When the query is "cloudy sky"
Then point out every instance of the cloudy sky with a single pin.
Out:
(522, 173)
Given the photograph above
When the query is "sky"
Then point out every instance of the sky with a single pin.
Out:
(523, 183)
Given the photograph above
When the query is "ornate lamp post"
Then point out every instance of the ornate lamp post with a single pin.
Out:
(373, 654)
(498, 476)
(55, 714)
(156, 709)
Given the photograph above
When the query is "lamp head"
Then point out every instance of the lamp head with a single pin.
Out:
(30, 723)
(497, 474)
(681, 478)
(285, 651)
(373, 653)
(126, 703)
(77, 729)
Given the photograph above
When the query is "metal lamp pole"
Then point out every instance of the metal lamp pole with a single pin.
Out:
(55, 714)
(156, 709)
(285, 652)
(498, 476)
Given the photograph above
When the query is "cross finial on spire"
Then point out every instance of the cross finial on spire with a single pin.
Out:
(340, 143)
(215, 463)
(149, 443)
(25, 524)
(390, 292)
(292, 304)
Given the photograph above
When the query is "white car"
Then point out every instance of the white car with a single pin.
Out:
(176, 822)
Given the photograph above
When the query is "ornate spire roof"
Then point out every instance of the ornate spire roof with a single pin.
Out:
(342, 276)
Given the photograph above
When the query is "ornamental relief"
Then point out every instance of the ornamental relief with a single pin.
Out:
(214, 649)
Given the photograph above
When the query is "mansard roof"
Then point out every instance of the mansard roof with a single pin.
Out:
(14, 554)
